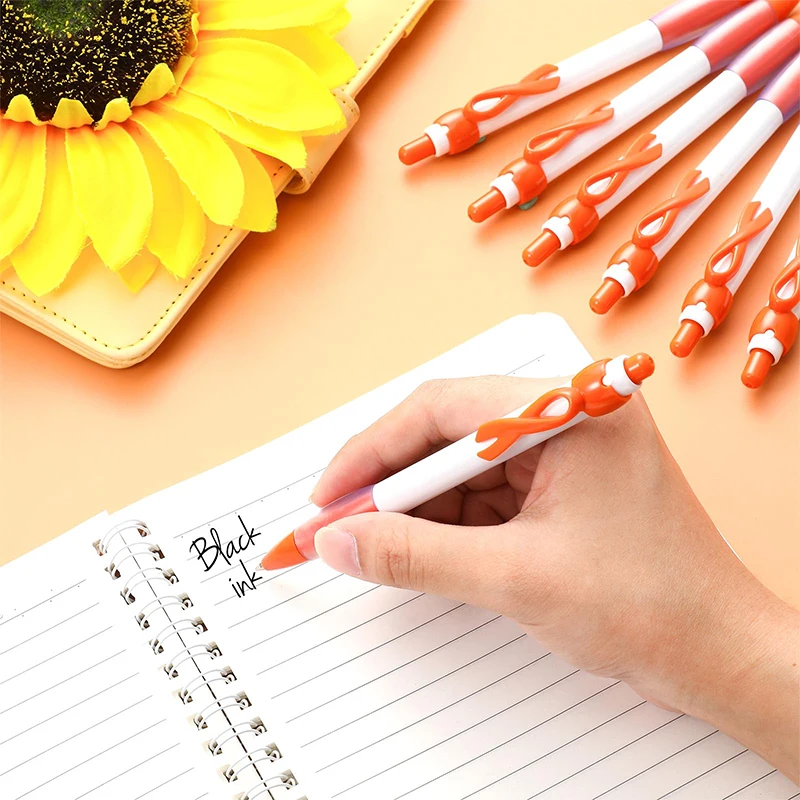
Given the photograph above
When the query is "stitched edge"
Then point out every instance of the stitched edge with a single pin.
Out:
(197, 269)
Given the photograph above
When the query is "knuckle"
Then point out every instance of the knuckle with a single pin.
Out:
(394, 561)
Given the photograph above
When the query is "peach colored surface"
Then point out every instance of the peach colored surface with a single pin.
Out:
(378, 269)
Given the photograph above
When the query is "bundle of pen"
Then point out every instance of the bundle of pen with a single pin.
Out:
(750, 44)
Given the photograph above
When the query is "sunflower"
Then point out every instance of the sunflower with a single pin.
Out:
(126, 124)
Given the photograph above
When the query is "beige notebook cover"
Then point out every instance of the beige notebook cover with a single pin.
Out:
(93, 312)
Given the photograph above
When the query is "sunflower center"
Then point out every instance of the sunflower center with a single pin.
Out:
(93, 51)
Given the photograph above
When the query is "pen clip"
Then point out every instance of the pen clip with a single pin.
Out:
(686, 193)
(639, 154)
(548, 143)
(508, 430)
(718, 271)
(534, 83)
(785, 292)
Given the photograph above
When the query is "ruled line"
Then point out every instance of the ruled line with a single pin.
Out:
(747, 786)
(425, 686)
(61, 683)
(125, 772)
(555, 750)
(471, 727)
(76, 735)
(441, 710)
(92, 758)
(396, 668)
(51, 628)
(371, 650)
(284, 602)
(102, 691)
(311, 619)
(653, 766)
(52, 597)
(703, 774)
(607, 756)
(50, 658)
(251, 503)
(164, 783)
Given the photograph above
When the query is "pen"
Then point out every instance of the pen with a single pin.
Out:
(577, 217)
(635, 263)
(551, 153)
(775, 327)
(708, 302)
(461, 128)
(598, 389)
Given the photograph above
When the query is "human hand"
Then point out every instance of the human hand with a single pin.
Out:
(595, 543)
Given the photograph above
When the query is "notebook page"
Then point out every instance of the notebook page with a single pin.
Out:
(78, 714)
(382, 693)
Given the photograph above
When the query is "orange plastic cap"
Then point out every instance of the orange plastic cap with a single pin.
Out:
(541, 248)
(487, 205)
(639, 367)
(606, 296)
(284, 554)
(418, 150)
(756, 369)
(686, 339)
(782, 8)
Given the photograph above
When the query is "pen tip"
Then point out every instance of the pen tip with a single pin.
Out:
(541, 248)
(487, 205)
(756, 369)
(606, 296)
(685, 340)
(284, 554)
(418, 150)
(639, 367)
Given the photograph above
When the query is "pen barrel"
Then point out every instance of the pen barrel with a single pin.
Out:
(784, 89)
(683, 21)
(766, 55)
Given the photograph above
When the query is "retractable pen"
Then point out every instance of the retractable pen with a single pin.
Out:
(552, 152)
(598, 389)
(461, 128)
(656, 233)
(708, 302)
(774, 329)
(577, 217)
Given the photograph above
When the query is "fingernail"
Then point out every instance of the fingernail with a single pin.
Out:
(338, 550)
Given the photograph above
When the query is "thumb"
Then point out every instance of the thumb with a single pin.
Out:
(458, 562)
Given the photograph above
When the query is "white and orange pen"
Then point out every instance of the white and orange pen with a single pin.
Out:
(551, 153)
(460, 129)
(708, 302)
(598, 389)
(774, 329)
(577, 217)
(657, 232)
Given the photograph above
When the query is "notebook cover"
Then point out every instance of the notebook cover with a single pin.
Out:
(93, 312)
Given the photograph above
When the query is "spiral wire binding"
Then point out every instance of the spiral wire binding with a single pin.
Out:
(151, 577)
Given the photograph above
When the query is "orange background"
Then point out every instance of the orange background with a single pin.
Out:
(378, 269)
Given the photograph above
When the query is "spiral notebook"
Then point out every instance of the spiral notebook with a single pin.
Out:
(141, 657)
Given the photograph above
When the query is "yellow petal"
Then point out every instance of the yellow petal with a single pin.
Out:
(155, 86)
(112, 191)
(138, 271)
(116, 110)
(329, 60)
(20, 109)
(43, 260)
(70, 114)
(259, 211)
(263, 83)
(4, 265)
(178, 232)
(224, 15)
(201, 158)
(337, 23)
(179, 72)
(285, 145)
(22, 171)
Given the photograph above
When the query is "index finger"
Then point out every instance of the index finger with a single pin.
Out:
(438, 412)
